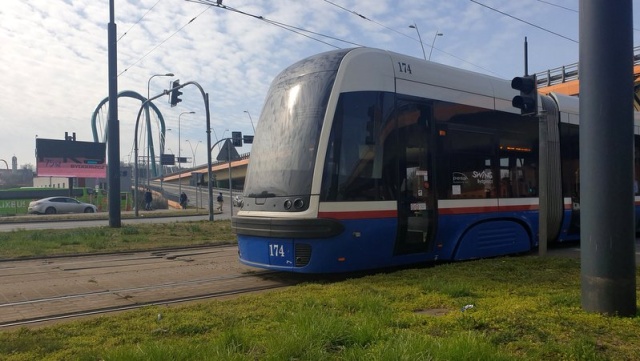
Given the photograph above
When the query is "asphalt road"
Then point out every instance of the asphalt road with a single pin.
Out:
(68, 224)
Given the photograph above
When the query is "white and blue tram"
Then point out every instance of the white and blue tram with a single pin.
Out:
(365, 158)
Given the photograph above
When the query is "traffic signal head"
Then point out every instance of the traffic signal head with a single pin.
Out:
(236, 139)
(175, 94)
(527, 101)
(248, 139)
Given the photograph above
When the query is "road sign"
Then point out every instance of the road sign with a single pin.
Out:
(228, 151)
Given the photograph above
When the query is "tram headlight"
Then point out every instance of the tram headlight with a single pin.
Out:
(287, 204)
(298, 203)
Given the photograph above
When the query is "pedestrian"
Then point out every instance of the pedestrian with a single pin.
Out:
(148, 198)
(183, 200)
(220, 201)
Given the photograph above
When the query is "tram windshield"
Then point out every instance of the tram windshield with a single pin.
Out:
(284, 151)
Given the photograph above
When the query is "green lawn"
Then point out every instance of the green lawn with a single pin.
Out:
(23, 243)
(513, 308)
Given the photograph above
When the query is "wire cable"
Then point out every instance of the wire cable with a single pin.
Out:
(558, 6)
(163, 41)
(136, 23)
(524, 21)
(294, 29)
(410, 37)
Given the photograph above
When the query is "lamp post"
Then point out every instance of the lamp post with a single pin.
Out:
(433, 42)
(193, 152)
(249, 114)
(149, 124)
(414, 26)
(179, 167)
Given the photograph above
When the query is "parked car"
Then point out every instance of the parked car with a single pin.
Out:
(53, 205)
(237, 201)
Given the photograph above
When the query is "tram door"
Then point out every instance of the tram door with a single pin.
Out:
(416, 201)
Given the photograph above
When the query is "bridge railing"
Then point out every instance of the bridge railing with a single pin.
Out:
(570, 72)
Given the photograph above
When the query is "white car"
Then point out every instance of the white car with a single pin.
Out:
(53, 205)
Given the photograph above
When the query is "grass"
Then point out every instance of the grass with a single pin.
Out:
(524, 308)
(35, 243)
(514, 308)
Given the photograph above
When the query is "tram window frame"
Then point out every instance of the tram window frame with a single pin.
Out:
(470, 171)
(357, 163)
(486, 131)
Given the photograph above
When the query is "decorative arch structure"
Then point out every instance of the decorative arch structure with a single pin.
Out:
(135, 95)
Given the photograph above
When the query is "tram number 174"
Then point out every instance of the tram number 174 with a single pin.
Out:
(276, 250)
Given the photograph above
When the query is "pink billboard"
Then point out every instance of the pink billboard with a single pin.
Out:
(66, 158)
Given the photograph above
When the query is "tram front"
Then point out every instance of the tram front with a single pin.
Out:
(279, 206)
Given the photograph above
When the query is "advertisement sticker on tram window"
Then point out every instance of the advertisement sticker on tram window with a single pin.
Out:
(483, 177)
(281, 253)
(418, 206)
(459, 178)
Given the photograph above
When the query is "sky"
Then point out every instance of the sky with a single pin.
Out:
(54, 57)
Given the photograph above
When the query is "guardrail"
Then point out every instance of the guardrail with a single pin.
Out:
(570, 72)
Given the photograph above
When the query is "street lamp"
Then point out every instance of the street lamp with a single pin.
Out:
(179, 147)
(433, 42)
(193, 152)
(414, 26)
(149, 122)
(249, 114)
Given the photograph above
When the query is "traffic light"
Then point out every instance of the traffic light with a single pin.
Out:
(175, 94)
(236, 139)
(527, 101)
(248, 139)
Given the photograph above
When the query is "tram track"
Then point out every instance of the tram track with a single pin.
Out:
(107, 310)
(46, 290)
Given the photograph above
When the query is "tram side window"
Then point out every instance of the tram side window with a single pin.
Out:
(355, 163)
(569, 150)
(518, 167)
(471, 172)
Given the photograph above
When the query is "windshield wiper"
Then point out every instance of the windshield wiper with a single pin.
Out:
(263, 194)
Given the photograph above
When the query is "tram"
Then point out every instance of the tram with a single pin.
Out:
(365, 158)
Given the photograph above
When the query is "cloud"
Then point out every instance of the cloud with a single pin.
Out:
(54, 57)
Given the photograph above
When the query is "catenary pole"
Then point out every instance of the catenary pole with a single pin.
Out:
(114, 126)
(606, 158)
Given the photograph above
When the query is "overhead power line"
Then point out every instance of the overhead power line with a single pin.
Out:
(163, 41)
(294, 29)
(558, 6)
(524, 21)
(136, 23)
(410, 37)
(568, 9)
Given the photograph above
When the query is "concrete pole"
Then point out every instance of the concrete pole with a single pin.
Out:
(606, 158)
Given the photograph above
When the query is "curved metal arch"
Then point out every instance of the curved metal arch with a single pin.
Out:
(135, 95)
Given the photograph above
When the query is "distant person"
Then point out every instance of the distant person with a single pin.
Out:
(183, 200)
(148, 198)
(220, 201)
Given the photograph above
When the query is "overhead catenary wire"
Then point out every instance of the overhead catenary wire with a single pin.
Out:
(558, 6)
(137, 22)
(163, 41)
(568, 9)
(410, 37)
(294, 29)
(524, 21)
(210, 4)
